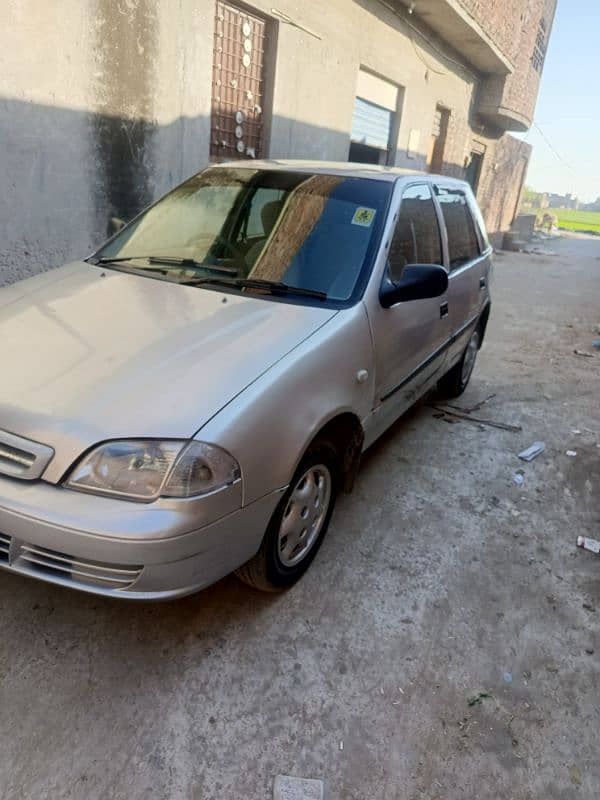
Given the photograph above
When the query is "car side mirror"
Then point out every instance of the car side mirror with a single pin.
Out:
(417, 282)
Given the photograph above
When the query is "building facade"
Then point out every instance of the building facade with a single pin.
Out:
(563, 201)
(106, 104)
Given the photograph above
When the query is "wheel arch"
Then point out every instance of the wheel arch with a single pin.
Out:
(345, 432)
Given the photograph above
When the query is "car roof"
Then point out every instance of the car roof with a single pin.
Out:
(345, 168)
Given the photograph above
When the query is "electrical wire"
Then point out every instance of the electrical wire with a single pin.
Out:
(552, 148)
(290, 21)
(436, 49)
(420, 57)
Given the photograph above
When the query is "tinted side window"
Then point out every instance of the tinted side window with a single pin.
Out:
(462, 239)
(417, 236)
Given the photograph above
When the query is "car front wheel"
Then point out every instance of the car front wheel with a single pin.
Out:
(298, 525)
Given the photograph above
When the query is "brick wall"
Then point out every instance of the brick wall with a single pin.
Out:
(514, 24)
(502, 21)
(501, 182)
(522, 86)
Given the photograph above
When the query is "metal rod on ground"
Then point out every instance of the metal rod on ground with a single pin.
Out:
(475, 407)
(502, 425)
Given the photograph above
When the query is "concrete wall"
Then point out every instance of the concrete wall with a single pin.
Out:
(111, 107)
(46, 210)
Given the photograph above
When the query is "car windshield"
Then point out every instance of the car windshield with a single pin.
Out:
(314, 232)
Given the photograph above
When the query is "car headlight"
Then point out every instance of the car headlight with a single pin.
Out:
(144, 469)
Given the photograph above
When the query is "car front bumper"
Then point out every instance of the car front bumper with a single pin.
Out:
(128, 550)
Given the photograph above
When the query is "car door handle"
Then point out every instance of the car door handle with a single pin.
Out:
(482, 283)
(443, 310)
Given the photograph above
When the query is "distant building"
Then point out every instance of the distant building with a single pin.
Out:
(118, 102)
(595, 206)
(563, 201)
(534, 201)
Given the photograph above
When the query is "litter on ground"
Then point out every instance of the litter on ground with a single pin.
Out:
(532, 452)
(536, 250)
(593, 545)
(571, 453)
(288, 788)
(477, 699)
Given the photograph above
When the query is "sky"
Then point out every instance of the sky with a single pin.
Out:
(566, 132)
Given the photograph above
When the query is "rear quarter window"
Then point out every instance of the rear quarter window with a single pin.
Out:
(463, 244)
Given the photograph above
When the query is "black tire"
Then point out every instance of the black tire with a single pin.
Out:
(455, 381)
(265, 570)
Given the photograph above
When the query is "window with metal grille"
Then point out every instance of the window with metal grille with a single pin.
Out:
(238, 92)
(539, 49)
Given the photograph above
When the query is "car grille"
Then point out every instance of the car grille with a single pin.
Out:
(14, 458)
(42, 560)
(22, 458)
(4, 548)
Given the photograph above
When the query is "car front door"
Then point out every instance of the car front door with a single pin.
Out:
(468, 266)
(410, 338)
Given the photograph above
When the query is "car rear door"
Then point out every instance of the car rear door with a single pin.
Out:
(467, 262)
(410, 338)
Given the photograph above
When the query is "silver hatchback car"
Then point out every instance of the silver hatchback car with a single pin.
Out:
(189, 400)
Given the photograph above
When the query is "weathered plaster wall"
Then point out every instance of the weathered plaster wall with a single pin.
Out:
(183, 86)
(46, 211)
(124, 43)
(76, 125)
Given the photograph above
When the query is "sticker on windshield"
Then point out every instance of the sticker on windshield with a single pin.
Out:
(363, 217)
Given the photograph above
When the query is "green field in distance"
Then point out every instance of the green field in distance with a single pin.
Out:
(577, 220)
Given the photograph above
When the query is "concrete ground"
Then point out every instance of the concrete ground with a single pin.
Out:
(439, 579)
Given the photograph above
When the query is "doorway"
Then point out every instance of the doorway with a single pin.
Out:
(473, 170)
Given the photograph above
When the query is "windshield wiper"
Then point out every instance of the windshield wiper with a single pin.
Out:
(273, 287)
(187, 263)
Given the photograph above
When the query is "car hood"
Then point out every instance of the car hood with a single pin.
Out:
(90, 354)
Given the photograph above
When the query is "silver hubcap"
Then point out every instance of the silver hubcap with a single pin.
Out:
(470, 355)
(304, 515)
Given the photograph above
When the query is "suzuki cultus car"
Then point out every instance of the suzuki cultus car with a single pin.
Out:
(190, 399)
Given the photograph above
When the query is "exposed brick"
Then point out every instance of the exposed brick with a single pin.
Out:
(501, 181)
(513, 25)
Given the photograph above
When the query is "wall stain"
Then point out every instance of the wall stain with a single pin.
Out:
(123, 128)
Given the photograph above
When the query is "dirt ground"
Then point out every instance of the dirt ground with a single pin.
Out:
(440, 579)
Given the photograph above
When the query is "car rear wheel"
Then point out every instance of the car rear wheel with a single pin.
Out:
(456, 380)
(298, 525)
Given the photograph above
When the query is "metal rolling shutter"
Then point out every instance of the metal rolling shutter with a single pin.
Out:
(371, 124)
